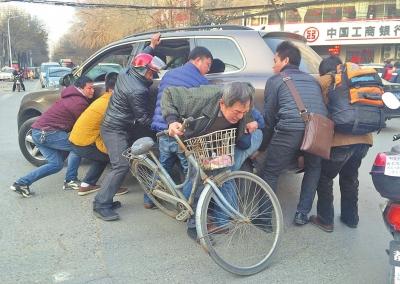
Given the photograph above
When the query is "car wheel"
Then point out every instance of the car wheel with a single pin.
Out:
(26, 145)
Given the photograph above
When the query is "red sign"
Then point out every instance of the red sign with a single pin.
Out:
(311, 34)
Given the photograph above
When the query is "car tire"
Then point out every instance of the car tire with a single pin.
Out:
(26, 145)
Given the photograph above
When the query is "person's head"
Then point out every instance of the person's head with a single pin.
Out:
(236, 101)
(111, 79)
(146, 65)
(202, 58)
(397, 64)
(286, 53)
(330, 64)
(86, 85)
(217, 66)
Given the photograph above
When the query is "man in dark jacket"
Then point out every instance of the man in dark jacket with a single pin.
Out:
(50, 135)
(285, 128)
(129, 105)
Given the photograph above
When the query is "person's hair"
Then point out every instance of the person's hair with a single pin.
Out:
(111, 79)
(82, 81)
(237, 92)
(289, 50)
(200, 52)
(329, 64)
(217, 66)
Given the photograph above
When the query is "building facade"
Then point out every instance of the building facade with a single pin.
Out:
(358, 31)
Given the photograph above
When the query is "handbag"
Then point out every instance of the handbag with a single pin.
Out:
(319, 130)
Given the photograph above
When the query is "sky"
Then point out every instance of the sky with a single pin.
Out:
(57, 19)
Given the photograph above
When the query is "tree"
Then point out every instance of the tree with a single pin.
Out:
(28, 38)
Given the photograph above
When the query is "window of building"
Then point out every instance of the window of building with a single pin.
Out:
(273, 19)
(375, 11)
(332, 14)
(360, 55)
(226, 51)
(313, 15)
(349, 13)
(391, 11)
(292, 16)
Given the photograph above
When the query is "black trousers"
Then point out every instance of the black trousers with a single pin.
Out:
(345, 162)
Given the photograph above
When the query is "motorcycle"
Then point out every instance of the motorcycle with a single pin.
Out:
(17, 82)
(385, 175)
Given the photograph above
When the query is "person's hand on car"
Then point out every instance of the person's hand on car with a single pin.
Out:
(175, 128)
(155, 40)
(251, 127)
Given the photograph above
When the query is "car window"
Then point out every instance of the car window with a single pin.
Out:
(58, 72)
(309, 58)
(174, 52)
(112, 60)
(225, 52)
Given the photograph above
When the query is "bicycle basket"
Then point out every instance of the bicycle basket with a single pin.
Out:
(214, 150)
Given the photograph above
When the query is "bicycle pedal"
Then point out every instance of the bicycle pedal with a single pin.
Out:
(183, 215)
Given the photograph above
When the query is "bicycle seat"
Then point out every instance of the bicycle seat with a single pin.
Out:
(142, 146)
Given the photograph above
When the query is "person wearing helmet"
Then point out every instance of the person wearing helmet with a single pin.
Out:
(129, 112)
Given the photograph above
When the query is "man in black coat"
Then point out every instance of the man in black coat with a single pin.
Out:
(284, 129)
(129, 106)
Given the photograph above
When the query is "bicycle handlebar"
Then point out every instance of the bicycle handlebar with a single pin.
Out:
(185, 124)
(396, 137)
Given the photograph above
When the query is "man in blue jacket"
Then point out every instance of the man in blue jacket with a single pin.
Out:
(189, 75)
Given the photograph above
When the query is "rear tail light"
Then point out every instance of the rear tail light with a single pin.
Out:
(393, 216)
(380, 160)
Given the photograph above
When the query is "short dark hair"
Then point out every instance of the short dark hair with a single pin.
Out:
(329, 64)
(289, 50)
(199, 52)
(82, 81)
(111, 79)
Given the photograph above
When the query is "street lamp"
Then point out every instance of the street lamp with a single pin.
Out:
(9, 37)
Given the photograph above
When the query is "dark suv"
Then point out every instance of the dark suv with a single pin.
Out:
(247, 55)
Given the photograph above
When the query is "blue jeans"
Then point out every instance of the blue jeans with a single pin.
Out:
(169, 154)
(54, 145)
(227, 189)
(98, 162)
(116, 143)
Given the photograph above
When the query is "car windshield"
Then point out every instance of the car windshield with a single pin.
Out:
(58, 72)
(309, 58)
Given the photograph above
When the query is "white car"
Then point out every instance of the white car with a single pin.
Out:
(6, 74)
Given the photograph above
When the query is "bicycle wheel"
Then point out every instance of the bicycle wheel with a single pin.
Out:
(147, 175)
(244, 244)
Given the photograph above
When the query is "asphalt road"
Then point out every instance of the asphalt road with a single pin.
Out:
(53, 237)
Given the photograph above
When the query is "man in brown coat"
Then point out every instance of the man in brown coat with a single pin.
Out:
(346, 155)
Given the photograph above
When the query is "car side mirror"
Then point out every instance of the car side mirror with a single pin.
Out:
(67, 80)
(390, 100)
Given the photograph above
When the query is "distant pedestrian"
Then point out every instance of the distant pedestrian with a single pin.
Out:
(50, 135)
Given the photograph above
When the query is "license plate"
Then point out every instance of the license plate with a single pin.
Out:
(394, 257)
(392, 166)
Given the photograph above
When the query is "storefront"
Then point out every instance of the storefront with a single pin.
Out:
(369, 41)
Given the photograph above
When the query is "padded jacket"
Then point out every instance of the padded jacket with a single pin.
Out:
(130, 103)
(280, 108)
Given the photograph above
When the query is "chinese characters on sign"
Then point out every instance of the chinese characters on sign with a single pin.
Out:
(367, 31)
(392, 166)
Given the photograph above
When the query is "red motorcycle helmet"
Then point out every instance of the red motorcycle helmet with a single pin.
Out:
(144, 61)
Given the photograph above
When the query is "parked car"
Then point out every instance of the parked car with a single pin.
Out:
(6, 74)
(395, 89)
(246, 53)
(53, 76)
(43, 69)
(379, 68)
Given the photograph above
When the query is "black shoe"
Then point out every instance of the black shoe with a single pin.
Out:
(265, 225)
(192, 233)
(116, 205)
(106, 214)
(300, 218)
(21, 189)
(316, 220)
(352, 225)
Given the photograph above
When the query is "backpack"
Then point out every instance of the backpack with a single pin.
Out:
(355, 100)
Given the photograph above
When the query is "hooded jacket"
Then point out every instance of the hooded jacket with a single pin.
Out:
(64, 112)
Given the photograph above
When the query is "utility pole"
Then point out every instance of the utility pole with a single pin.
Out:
(281, 24)
(9, 36)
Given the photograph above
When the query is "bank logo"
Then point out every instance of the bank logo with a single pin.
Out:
(311, 34)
